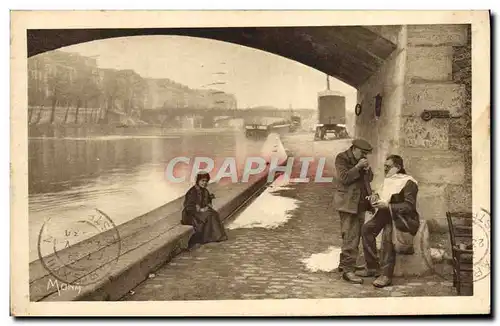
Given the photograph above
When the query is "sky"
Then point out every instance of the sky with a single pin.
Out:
(255, 77)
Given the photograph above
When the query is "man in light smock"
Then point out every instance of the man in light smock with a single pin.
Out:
(396, 214)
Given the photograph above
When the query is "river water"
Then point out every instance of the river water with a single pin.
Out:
(122, 175)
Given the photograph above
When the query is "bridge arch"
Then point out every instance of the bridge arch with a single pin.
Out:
(349, 53)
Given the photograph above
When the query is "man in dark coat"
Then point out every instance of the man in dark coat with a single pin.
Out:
(397, 216)
(354, 175)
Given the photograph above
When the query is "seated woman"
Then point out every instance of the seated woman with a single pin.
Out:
(199, 213)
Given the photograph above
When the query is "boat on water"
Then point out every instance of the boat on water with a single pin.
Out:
(261, 127)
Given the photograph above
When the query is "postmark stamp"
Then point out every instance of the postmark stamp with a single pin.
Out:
(474, 250)
(481, 244)
(79, 252)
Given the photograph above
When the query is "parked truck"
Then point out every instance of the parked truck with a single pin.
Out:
(331, 115)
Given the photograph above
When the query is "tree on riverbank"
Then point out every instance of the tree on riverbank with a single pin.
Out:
(85, 91)
(59, 87)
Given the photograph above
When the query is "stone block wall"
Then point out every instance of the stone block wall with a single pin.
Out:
(439, 150)
(430, 70)
(383, 132)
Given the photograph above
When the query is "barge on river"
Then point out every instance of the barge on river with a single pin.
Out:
(261, 127)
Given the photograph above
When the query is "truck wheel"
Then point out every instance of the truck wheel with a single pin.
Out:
(323, 133)
(317, 134)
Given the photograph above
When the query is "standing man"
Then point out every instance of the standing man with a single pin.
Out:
(354, 175)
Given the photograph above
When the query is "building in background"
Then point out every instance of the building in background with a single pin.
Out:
(66, 87)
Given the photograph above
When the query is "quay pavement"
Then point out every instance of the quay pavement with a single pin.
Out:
(295, 259)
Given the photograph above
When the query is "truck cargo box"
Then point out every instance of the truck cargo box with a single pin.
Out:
(331, 115)
(331, 108)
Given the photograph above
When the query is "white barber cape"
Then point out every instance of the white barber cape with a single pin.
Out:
(403, 242)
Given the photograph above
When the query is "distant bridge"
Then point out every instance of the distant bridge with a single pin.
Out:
(162, 114)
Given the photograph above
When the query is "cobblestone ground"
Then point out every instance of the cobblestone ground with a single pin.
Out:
(263, 263)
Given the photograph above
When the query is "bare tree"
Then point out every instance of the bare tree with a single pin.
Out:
(67, 112)
(84, 90)
(110, 90)
(59, 86)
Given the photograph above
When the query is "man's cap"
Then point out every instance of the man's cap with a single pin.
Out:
(362, 144)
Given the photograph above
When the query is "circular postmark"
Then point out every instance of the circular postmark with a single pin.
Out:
(481, 245)
(474, 249)
(79, 252)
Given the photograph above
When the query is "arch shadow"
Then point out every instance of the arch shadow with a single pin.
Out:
(349, 53)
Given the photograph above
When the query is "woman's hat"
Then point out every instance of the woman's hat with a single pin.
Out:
(202, 175)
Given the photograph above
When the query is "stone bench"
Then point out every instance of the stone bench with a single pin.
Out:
(417, 264)
(420, 262)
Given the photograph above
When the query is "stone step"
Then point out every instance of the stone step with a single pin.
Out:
(167, 229)
(125, 230)
(94, 244)
(145, 244)
(132, 268)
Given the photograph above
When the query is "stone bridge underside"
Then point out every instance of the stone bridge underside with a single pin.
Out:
(349, 53)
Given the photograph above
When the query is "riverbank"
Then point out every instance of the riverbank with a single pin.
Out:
(142, 245)
(95, 130)
(124, 176)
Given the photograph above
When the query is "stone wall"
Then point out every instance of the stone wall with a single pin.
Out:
(383, 133)
(428, 71)
(439, 151)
